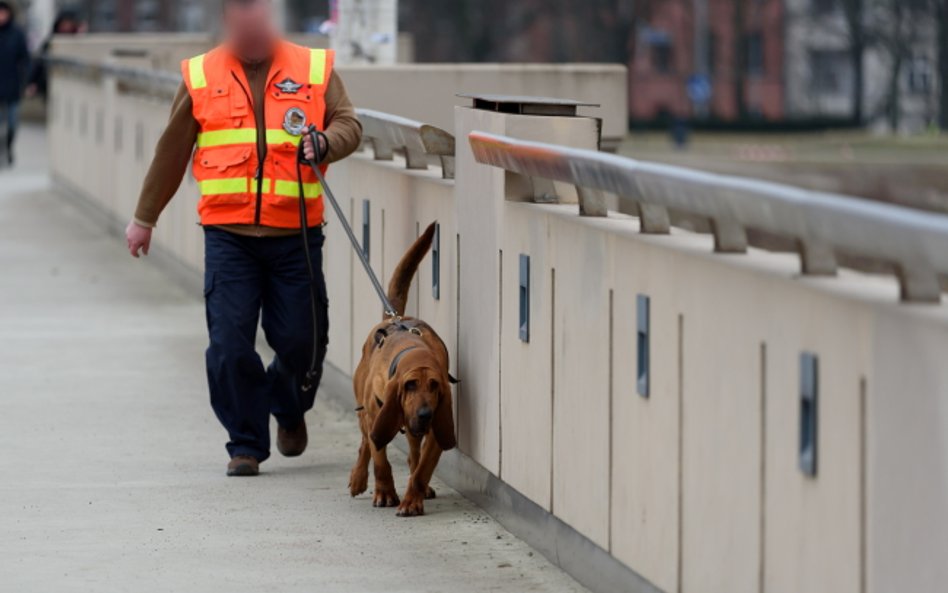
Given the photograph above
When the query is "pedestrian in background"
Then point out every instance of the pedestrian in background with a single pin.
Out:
(14, 65)
(68, 22)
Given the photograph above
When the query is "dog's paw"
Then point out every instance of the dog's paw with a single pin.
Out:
(358, 482)
(430, 493)
(385, 497)
(412, 506)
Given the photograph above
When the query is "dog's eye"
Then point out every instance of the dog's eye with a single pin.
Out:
(411, 385)
(433, 386)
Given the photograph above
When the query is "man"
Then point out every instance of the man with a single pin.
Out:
(244, 105)
(14, 63)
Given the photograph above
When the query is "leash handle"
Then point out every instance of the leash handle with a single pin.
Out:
(314, 135)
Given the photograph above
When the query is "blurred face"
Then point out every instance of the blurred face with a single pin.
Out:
(249, 28)
(67, 27)
(5, 16)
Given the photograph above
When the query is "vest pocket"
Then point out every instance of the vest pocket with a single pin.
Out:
(224, 177)
(222, 158)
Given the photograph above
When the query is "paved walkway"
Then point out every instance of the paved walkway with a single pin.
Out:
(113, 463)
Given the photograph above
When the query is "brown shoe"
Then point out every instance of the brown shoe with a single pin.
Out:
(291, 442)
(243, 465)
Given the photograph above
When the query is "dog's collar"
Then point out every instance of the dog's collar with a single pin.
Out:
(393, 368)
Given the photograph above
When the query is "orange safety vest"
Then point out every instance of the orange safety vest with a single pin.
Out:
(236, 188)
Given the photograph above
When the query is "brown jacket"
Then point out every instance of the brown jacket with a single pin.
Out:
(173, 153)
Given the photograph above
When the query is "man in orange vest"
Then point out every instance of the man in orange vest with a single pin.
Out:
(238, 120)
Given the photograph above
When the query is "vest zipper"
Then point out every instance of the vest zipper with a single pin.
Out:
(258, 174)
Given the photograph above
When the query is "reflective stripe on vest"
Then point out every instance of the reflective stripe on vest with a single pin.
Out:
(239, 185)
(317, 66)
(291, 189)
(233, 185)
(243, 136)
(196, 71)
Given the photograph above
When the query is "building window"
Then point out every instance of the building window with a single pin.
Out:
(755, 54)
(831, 72)
(662, 57)
(919, 73)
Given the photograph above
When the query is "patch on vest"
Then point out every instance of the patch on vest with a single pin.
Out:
(294, 122)
(288, 86)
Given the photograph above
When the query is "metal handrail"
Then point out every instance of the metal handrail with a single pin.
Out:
(823, 224)
(418, 140)
(386, 132)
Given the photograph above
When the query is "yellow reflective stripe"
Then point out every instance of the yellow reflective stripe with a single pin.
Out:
(213, 187)
(243, 136)
(196, 71)
(291, 189)
(267, 185)
(226, 137)
(281, 136)
(317, 66)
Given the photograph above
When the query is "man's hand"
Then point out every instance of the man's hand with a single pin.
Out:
(138, 237)
(308, 153)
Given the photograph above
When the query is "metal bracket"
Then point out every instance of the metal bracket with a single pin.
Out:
(729, 236)
(817, 258)
(592, 202)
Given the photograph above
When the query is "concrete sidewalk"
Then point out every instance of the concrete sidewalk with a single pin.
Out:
(113, 463)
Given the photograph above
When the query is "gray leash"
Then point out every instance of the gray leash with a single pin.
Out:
(389, 309)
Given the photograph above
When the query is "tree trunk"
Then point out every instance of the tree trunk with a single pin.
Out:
(857, 50)
(942, 15)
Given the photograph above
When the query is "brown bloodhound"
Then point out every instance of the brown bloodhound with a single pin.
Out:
(402, 384)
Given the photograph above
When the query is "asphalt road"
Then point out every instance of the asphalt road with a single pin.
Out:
(113, 463)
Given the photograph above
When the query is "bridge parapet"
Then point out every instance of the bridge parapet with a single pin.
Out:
(709, 421)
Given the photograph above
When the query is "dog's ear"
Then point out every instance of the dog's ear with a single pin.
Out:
(442, 425)
(390, 418)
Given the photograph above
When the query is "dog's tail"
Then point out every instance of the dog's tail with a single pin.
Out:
(400, 283)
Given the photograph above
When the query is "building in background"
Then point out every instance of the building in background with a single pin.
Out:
(872, 61)
(734, 49)
(880, 63)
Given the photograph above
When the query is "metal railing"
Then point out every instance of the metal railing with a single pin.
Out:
(132, 79)
(388, 133)
(823, 225)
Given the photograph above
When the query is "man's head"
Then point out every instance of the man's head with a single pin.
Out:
(249, 28)
(6, 13)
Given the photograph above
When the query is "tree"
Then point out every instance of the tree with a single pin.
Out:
(897, 25)
(941, 13)
(854, 11)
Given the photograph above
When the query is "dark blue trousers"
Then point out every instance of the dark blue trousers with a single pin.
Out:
(251, 280)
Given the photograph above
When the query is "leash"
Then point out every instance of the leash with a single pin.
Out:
(327, 191)
(390, 311)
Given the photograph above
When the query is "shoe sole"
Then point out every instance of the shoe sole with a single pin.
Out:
(242, 471)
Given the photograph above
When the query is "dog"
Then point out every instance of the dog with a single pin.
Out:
(402, 384)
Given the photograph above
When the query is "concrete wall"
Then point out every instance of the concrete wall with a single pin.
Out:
(697, 487)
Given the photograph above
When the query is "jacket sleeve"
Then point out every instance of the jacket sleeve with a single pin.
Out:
(172, 155)
(342, 128)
